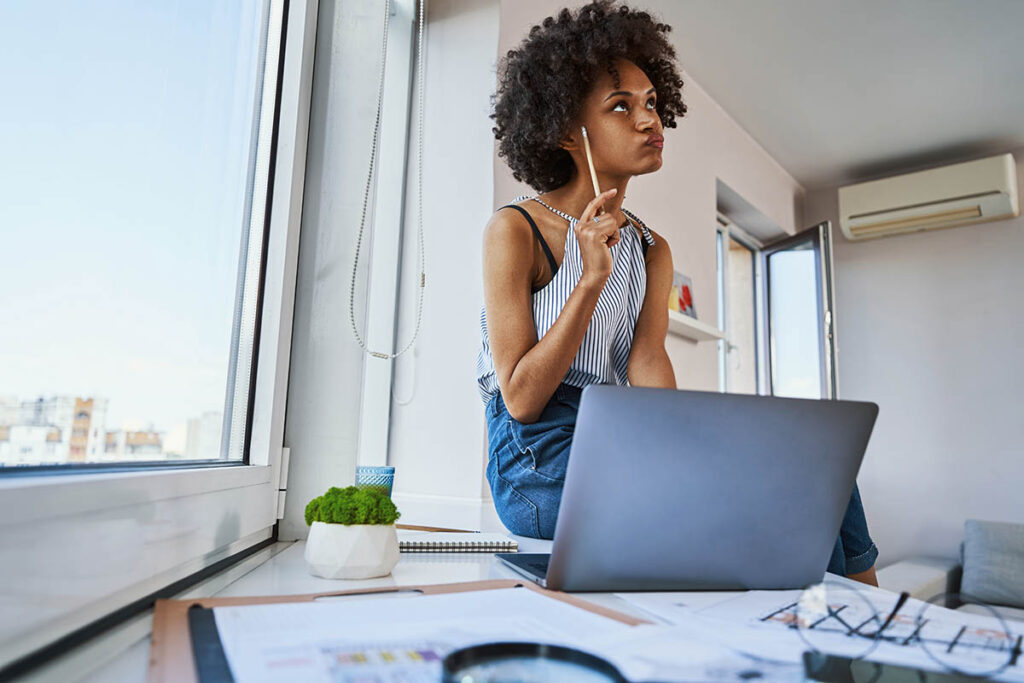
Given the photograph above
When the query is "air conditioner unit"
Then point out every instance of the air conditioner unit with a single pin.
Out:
(959, 194)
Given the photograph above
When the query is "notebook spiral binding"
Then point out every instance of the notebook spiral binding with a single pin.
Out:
(458, 546)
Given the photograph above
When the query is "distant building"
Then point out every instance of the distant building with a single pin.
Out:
(31, 445)
(88, 429)
(10, 410)
(202, 441)
(133, 445)
(55, 430)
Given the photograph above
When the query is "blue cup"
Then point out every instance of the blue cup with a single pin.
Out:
(378, 477)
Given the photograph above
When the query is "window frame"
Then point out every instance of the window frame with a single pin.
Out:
(165, 507)
(727, 230)
(820, 237)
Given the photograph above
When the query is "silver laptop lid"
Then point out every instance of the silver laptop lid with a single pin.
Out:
(676, 490)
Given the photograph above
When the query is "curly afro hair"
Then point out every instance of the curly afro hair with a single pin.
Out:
(542, 83)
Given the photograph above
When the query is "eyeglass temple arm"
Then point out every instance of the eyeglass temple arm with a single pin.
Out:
(904, 596)
(902, 600)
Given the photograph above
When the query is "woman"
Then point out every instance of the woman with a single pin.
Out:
(575, 301)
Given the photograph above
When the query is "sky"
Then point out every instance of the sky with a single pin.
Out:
(795, 326)
(125, 137)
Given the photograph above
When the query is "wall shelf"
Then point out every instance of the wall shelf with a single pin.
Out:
(691, 328)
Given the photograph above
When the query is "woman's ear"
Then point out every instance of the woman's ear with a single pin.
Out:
(570, 142)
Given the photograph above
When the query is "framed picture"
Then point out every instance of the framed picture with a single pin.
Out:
(680, 298)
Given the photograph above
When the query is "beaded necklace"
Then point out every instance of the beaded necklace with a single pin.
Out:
(630, 218)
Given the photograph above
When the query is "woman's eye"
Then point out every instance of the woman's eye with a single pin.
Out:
(651, 104)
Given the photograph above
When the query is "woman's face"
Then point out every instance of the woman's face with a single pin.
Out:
(621, 122)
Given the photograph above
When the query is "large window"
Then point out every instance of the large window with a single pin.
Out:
(151, 173)
(132, 197)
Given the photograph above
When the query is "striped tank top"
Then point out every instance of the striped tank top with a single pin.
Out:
(603, 356)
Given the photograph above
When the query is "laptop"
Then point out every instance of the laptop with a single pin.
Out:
(690, 490)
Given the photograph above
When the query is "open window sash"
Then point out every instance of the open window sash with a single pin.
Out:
(799, 324)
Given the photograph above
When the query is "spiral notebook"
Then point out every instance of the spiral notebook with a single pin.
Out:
(455, 542)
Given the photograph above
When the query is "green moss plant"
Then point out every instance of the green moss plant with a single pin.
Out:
(352, 505)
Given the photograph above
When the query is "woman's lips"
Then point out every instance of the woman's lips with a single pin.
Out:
(656, 141)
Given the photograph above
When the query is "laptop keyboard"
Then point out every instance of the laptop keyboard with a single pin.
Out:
(536, 564)
(539, 567)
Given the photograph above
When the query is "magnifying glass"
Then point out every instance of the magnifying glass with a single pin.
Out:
(496, 662)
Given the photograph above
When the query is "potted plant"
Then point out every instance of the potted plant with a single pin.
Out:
(352, 533)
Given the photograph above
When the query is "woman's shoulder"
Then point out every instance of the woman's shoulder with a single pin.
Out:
(508, 225)
(523, 202)
(509, 245)
(512, 219)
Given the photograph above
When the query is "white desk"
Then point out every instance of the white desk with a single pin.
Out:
(286, 573)
(281, 570)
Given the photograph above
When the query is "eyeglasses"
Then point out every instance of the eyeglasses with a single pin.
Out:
(835, 617)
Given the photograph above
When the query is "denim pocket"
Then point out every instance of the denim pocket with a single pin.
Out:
(521, 453)
(516, 511)
(541, 448)
(568, 398)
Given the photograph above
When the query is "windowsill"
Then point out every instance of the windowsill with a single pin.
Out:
(122, 654)
(280, 569)
(82, 493)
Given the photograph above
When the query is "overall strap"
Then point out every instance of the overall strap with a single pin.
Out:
(536, 231)
(646, 240)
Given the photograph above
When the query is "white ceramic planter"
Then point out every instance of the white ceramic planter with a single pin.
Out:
(351, 551)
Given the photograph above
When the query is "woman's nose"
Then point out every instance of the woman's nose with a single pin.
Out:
(648, 121)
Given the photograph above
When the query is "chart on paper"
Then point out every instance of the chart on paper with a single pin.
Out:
(773, 624)
(390, 639)
(397, 661)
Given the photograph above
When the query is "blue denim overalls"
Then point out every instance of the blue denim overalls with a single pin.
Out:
(526, 470)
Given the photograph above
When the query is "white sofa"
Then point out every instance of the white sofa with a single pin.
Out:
(994, 555)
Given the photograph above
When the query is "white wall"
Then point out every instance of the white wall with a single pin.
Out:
(929, 327)
(438, 433)
(326, 364)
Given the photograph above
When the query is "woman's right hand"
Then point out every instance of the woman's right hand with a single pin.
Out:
(596, 238)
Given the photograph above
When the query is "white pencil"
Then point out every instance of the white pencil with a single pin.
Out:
(590, 161)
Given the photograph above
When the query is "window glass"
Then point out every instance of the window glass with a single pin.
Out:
(795, 333)
(127, 165)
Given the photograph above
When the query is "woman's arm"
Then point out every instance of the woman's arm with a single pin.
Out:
(529, 371)
(649, 365)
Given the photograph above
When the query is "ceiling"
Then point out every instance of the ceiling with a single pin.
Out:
(845, 91)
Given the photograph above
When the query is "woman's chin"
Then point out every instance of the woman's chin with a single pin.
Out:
(650, 165)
